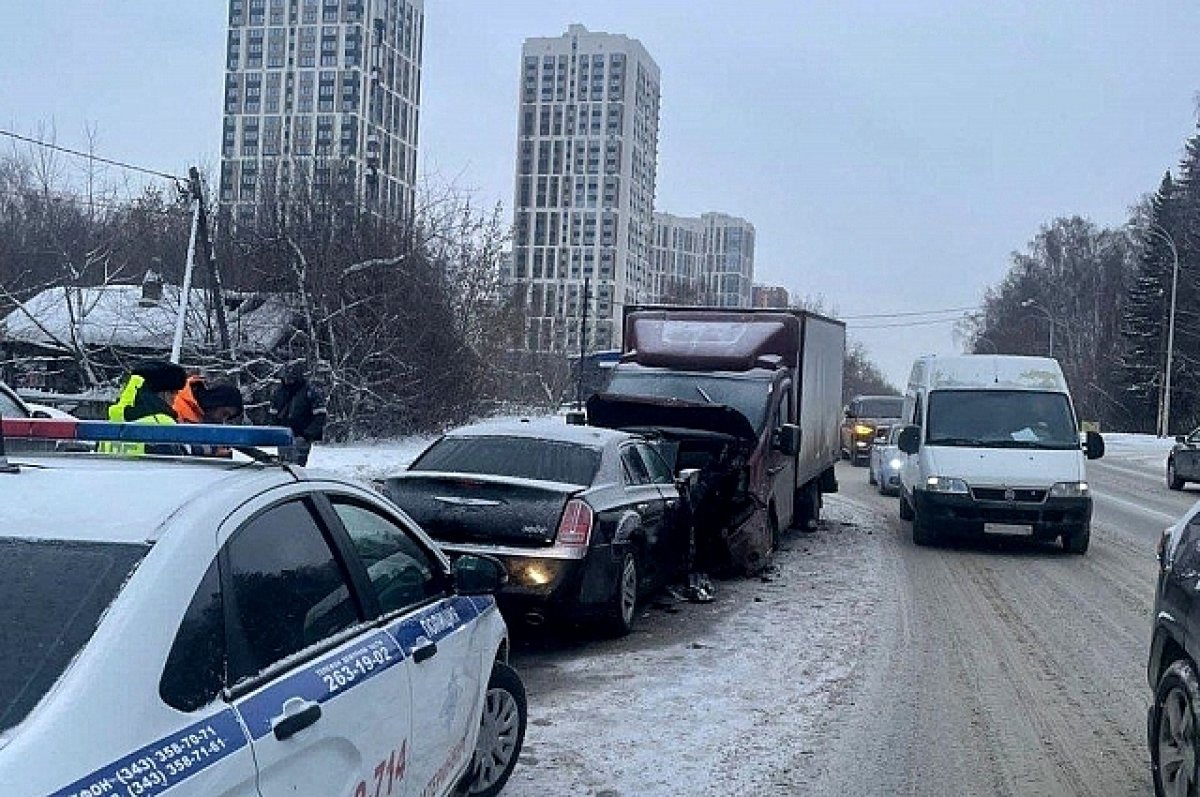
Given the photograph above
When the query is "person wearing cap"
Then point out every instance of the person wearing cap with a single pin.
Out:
(147, 398)
(201, 401)
(297, 405)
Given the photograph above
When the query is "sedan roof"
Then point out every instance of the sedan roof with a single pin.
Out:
(555, 429)
(97, 498)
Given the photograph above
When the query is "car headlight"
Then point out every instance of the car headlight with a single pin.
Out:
(942, 484)
(896, 463)
(1069, 490)
(862, 431)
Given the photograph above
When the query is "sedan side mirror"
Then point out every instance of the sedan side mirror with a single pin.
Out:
(786, 440)
(1093, 447)
(910, 440)
(687, 479)
(478, 575)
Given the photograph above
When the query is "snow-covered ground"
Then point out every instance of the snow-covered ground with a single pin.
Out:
(368, 461)
(1140, 449)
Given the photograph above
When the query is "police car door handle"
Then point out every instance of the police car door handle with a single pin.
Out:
(290, 724)
(425, 652)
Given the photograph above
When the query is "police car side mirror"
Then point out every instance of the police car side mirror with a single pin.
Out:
(910, 440)
(478, 575)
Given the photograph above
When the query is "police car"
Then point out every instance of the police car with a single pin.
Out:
(198, 627)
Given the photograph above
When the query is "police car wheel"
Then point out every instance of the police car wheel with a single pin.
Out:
(501, 734)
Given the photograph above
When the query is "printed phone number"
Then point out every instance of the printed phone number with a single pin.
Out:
(358, 665)
(159, 769)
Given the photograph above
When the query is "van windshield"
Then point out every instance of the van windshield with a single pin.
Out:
(1001, 419)
(747, 395)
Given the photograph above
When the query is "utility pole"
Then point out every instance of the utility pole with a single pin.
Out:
(582, 345)
(1164, 406)
(185, 293)
(215, 291)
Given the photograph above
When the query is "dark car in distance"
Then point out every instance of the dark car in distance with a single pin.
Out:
(1183, 463)
(586, 520)
(1172, 730)
(867, 417)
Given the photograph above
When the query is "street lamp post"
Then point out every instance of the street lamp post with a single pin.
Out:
(1030, 303)
(1164, 407)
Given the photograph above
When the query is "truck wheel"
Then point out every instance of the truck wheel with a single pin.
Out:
(501, 734)
(923, 532)
(906, 510)
(1077, 541)
(1173, 480)
(1174, 735)
(806, 507)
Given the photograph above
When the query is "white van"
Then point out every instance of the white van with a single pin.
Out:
(993, 446)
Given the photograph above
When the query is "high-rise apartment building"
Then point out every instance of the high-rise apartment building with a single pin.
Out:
(707, 260)
(322, 95)
(587, 151)
(728, 260)
(677, 259)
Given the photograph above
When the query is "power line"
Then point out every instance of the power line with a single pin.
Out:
(899, 324)
(911, 313)
(129, 205)
(120, 164)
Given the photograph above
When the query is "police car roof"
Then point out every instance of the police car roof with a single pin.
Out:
(99, 498)
(555, 429)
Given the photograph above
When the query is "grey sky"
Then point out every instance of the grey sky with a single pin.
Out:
(891, 154)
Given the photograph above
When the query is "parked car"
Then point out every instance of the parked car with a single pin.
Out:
(587, 520)
(1171, 667)
(886, 461)
(1183, 463)
(204, 627)
(865, 417)
(13, 406)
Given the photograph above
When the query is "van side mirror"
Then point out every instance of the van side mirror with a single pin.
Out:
(1181, 439)
(1093, 446)
(478, 575)
(910, 440)
(576, 418)
(846, 412)
(786, 440)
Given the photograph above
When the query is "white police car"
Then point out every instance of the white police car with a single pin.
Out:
(203, 627)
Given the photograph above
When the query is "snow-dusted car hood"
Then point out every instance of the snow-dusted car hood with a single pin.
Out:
(1005, 467)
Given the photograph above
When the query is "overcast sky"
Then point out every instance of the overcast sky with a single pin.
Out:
(891, 154)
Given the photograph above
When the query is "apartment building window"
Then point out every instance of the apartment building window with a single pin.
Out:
(236, 12)
(329, 12)
(309, 14)
(276, 12)
(271, 138)
(271, 104)
(232, 96)
(229, 138)
(257, 12)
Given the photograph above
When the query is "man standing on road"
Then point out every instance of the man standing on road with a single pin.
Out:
(297, 405)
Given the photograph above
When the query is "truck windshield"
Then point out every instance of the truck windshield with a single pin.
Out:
(1001, 419)
(52, 596)
(746, 395)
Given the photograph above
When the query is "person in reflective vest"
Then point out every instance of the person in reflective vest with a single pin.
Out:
(201, 401)
(146, 398)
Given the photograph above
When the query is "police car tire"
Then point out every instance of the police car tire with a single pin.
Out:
(503, 678)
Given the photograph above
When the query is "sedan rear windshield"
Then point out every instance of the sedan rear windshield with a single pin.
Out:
(52, 596)
(516, 457)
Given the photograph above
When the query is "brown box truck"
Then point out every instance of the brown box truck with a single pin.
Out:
(749, 404)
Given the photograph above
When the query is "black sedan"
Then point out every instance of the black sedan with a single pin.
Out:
(587, 520)
(1183, 464)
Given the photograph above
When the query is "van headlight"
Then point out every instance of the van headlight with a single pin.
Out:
(896, 463)
(1069, 490)
(862, 430)
(942, 484)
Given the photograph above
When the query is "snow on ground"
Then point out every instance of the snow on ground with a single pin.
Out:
(1143, 449)
(722, 705)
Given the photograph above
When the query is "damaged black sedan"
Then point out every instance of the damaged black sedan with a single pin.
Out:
(587, 521)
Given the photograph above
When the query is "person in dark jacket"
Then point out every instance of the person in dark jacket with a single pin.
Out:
(297, 405)
(146, 398)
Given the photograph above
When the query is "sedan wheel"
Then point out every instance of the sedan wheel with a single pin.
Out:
(624, 606)
(501, 733)
(1173, 734)
(1173, 480)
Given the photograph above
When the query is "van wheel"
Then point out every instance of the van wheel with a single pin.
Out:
(923, 532)
(1174, 730)
(871, 480)
(906, 510)
(1077, 541)
(773, 528)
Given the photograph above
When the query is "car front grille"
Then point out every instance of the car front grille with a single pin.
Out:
(1020, 495)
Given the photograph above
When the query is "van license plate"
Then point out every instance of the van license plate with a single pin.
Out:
(1007, 528)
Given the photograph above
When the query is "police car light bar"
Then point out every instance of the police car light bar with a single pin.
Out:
(178, 433)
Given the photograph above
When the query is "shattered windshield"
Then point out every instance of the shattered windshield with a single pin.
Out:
(52, 596)
(747, 395)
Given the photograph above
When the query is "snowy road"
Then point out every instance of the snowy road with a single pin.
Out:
(869, 666)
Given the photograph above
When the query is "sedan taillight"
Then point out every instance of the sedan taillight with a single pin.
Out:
(575, 528)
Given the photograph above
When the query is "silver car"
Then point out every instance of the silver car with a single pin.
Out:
(886, 462)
